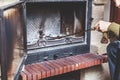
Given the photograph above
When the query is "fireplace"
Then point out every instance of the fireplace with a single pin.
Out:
(43, 30)
(56, 29)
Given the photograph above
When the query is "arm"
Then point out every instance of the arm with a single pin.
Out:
(110, 30)
(102, 26)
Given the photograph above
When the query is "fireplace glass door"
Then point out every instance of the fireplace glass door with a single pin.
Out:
(12, 40)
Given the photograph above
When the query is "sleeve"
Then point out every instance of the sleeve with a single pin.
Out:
(114, 27)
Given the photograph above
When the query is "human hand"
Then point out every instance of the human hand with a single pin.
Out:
(117, 2)
(102, 26)
(104, 40)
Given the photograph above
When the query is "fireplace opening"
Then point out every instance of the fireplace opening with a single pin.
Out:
(55, 23)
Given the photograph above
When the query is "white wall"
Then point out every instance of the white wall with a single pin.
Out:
(107, 11)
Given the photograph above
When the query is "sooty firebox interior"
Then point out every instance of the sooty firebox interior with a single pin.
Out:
(58, 23)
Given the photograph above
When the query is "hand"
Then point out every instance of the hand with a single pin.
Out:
(117, 2)
(102, 26)
(104, 40)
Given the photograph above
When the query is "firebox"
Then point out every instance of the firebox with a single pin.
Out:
(42, 30)
(55, 24)
(56, 29)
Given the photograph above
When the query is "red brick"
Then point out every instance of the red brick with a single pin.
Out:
(37, 71)
(29, 75)
(23, 76)
(45, 68)
(42, 71)
(60, 68)
(34, 74)
(55, 72)
(55, 67)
